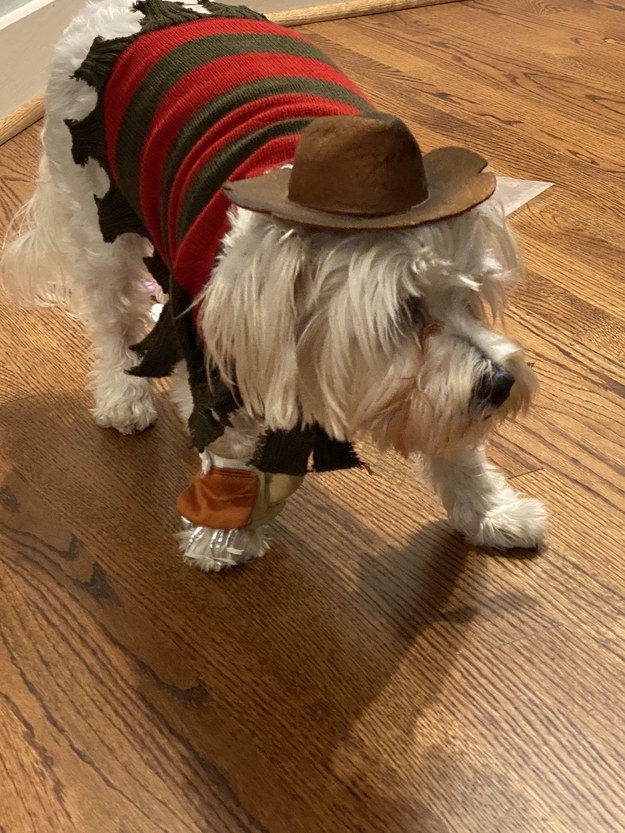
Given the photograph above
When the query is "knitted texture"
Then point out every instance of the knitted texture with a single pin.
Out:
(188, 106)
(184, 105)
(193, 105)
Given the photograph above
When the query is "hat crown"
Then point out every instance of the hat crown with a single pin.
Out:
(368, 165)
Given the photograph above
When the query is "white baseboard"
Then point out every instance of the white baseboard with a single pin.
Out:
(28, 31)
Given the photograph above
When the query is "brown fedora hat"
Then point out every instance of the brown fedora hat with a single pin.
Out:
(366, 172)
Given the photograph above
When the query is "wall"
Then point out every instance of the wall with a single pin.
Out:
(28, 32)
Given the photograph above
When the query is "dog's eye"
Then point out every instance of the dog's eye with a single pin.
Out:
(411, 316)
(475, 306)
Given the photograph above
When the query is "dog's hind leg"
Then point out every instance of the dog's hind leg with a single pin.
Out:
(56, 255)
(110, 281)
(482, 505)
(110, 290)
(115, 304)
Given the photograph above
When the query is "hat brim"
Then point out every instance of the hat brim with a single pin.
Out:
(456, 182)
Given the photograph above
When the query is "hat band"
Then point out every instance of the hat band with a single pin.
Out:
(331, 207)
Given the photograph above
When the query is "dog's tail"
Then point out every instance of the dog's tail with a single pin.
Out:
(35, 265)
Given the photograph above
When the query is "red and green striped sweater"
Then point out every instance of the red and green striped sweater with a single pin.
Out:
(184, 105)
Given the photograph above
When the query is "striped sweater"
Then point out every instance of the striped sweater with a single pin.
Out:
(184, 105)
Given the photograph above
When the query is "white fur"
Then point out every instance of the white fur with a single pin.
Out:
(380, 334)
(481, 505)
(334, 307)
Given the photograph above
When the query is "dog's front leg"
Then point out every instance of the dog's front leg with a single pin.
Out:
(226, 509)
(482, 505)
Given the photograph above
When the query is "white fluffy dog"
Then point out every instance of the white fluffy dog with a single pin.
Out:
(341, 330)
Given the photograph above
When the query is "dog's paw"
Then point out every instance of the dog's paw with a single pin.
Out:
(213, 549)
(127, 410)
(519, 522)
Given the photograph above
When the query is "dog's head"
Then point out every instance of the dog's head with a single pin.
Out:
(385, 333)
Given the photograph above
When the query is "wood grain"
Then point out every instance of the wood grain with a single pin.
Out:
(371, 673)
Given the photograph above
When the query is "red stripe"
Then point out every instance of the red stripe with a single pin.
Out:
(136, 61)
(195, 258)
(207, 82)
(242, 122)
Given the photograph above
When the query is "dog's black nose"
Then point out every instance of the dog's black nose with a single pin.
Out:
(494, 387)
(500, 387)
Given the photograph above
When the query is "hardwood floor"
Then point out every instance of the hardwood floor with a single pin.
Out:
(372, 673)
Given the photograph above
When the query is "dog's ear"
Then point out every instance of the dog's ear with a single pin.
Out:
(249, 317)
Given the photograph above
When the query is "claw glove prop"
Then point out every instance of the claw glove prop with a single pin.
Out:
(225, 505)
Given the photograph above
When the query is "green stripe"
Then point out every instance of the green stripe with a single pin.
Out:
(171, 69)
(211, 112)
(220, 165)
(159, 14)
(116, 217)
(222, 10)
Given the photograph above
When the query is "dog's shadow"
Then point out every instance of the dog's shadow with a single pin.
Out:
(340, 657)
(314, 666)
